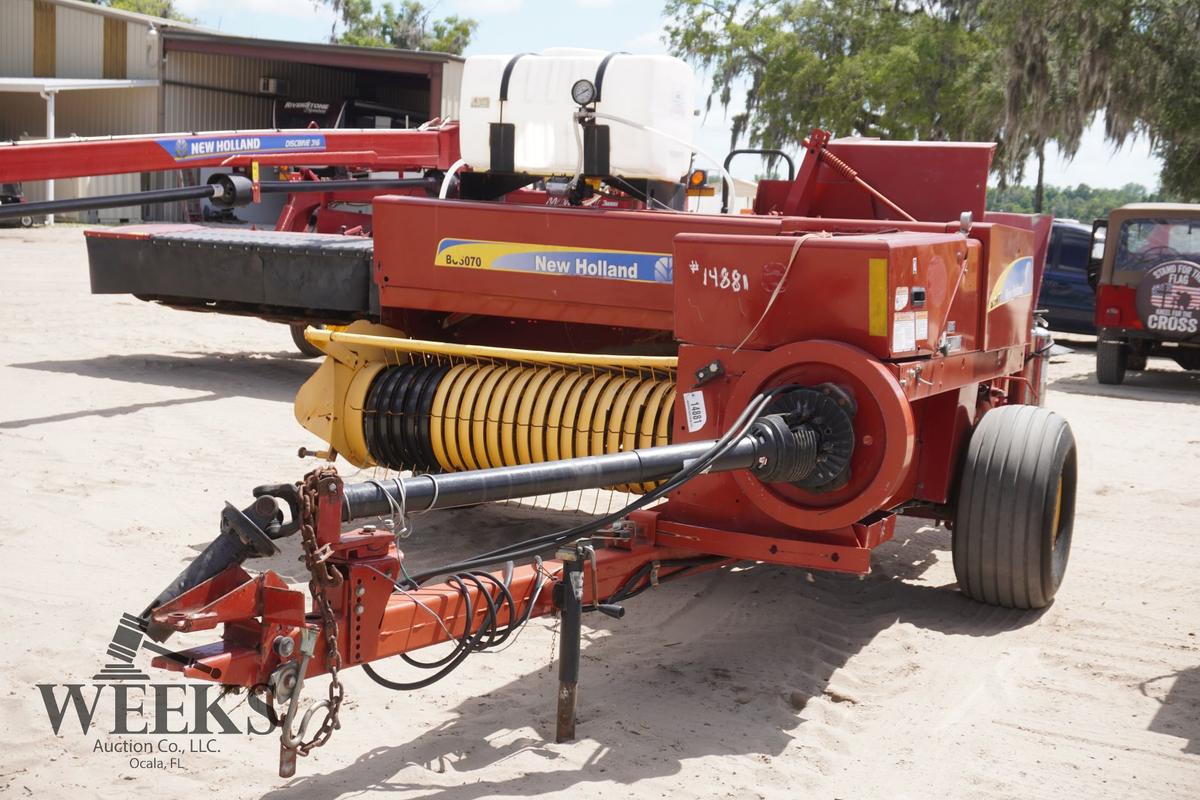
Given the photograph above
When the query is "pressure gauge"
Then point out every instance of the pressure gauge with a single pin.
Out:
(583, 92)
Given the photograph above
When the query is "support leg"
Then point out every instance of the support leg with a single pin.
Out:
(570, 632)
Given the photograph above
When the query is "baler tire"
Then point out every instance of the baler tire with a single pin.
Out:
(306, 348)
(1015, 508)
(1112, 359)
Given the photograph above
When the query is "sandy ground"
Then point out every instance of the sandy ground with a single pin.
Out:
(124, 426)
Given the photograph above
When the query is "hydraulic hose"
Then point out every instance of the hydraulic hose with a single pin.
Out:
(656, 132)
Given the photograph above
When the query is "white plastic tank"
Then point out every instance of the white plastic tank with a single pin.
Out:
(656, 91)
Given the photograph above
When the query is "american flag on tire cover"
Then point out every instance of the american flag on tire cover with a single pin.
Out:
(1169, 296)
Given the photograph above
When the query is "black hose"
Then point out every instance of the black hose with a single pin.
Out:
(156, 196)
(534, 546)
(9, 210)
(489, 633)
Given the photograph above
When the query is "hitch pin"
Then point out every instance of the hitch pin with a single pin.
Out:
(289, 743)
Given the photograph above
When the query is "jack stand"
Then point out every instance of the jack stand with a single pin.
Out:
(570, 633)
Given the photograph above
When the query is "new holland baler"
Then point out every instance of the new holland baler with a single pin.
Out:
(790, 381)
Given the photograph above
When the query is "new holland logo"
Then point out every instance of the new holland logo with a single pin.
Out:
(1016, 280)
(561, 260)
(197, 147)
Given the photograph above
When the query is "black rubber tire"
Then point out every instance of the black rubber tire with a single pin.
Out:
(1135, 361)
(26, 222)
(303, 345)
(1015, 508)
(1112, 359)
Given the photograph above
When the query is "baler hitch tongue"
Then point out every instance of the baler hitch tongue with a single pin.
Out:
(244, 534)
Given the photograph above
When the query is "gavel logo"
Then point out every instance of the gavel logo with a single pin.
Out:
(129, 636)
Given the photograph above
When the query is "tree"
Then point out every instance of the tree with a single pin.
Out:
(408, 27)
(1153, 89)
(154, 8)
(1022, 73)
(1082, 202)
(864, 67)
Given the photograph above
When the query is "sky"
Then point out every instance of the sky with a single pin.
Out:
(634, 26)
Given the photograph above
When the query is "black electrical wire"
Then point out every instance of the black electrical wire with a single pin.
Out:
(535, 545)
(489, 633)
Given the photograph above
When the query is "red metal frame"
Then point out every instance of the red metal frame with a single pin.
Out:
(374, 621)
(37, 160)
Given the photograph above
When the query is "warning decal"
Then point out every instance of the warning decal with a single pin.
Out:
(904, 332)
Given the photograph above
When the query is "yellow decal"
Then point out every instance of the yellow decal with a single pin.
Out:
(877, 284)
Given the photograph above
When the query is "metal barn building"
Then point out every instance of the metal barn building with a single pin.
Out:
(74, 68)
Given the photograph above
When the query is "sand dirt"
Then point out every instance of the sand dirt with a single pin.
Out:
(124, 426)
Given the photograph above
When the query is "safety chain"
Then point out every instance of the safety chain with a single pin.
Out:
(322, 577)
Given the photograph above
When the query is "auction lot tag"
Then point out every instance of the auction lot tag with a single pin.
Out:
(697, 414)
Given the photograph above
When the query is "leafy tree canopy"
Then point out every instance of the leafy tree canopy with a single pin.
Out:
(154, 8)
(408, 27)
(1084, 203)
(1022, 73)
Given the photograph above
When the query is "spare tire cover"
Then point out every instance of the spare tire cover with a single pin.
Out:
(1168, 299)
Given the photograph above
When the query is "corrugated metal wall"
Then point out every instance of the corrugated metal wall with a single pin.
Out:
(16, 39)
(141, 55)
(451, 88)
(212, 92)
(92, 113)
(200, 91)
(78, 50)
(79, 44)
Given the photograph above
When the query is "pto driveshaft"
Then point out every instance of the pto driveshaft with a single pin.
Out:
(772, 449)
(227, 194)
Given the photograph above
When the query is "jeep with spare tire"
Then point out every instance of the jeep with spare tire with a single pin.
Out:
(1145, 267)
